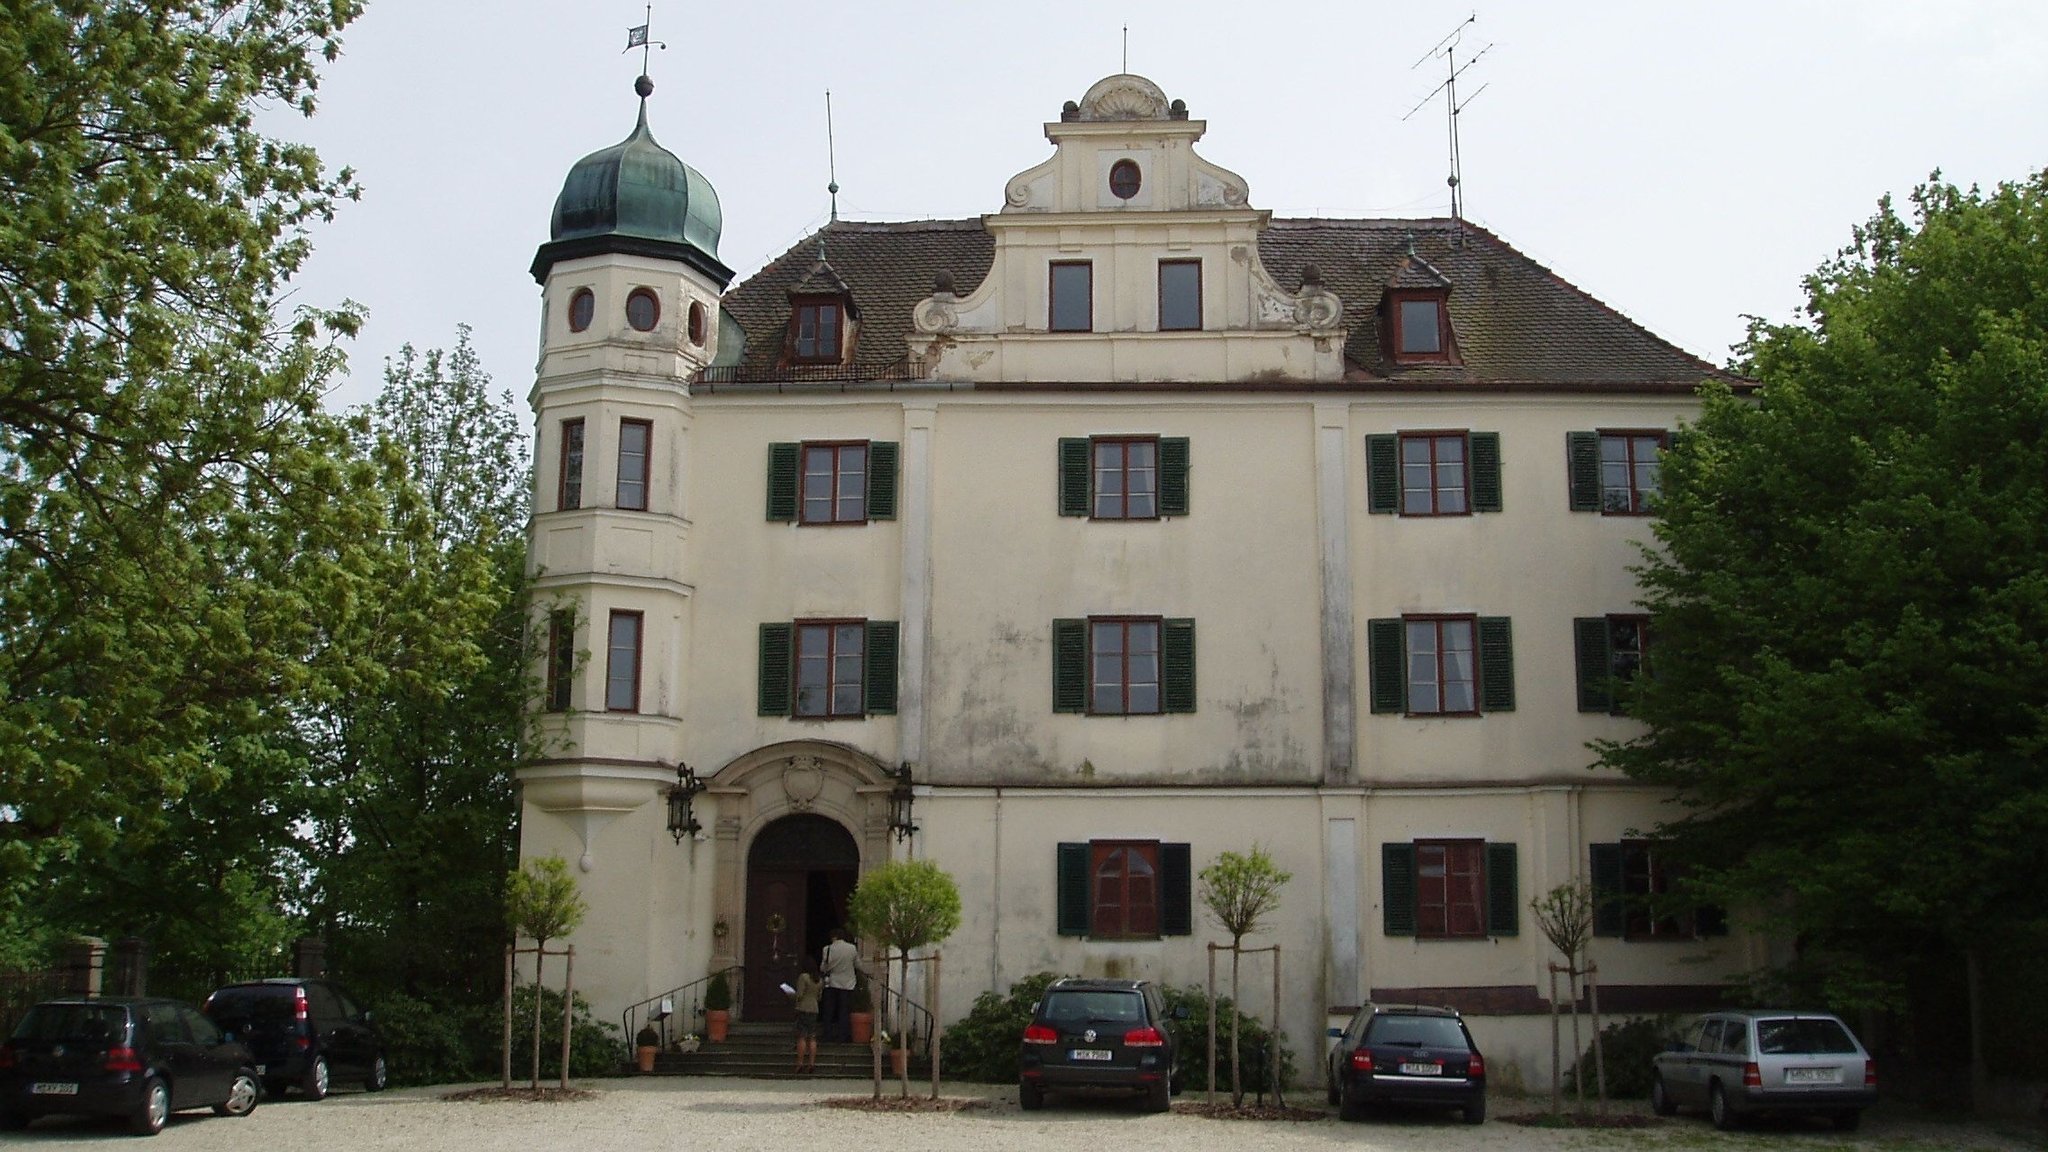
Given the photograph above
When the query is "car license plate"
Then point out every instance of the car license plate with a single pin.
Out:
(1813, 1075)
(1090, 1054)
(262, 1068)
(1414, 1069)
(47, 1089)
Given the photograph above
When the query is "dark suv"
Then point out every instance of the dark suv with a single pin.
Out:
(1098, 1034)
(1407, 1054)
(136, 1059)
(305, 1033)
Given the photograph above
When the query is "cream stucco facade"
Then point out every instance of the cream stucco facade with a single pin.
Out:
(1277, 560)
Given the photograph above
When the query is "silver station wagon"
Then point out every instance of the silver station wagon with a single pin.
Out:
(1738, 1064)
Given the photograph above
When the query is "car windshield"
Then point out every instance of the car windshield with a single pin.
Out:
(1417, 1032)
(1077, 1007)
(1778, 1037)
(231, 1006)
(78, 1023)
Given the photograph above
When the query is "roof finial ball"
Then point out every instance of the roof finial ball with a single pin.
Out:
(644, 87)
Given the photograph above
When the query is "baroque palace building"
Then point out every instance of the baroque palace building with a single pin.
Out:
(1115, 529)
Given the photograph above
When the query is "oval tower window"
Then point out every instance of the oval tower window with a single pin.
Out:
(643, 311)
(1125, 179)
(582, 306)
(696, 323)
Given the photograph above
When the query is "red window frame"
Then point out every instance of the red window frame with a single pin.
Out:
(582, 309)
(828, 664)
(697, 323)
(1133, 485)
(1052, 295)
(1397, 321)
(1624, 493)
(561, 659)
(1125, 179)
(1128, 661)
(1625, 663)
(622, 686)
(1644, 880)
(632, 495)
(1123, 889)
(1450, 889)
(569, 476)
(1441, 682)
(1436, 492)
(1197, 266)
(653, 302)
(846, 484)
(817, 331)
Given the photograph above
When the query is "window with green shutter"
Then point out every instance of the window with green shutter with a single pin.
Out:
(879, 673)
(1582, 468)
(1070, 666)
(782, 470)
(1607, 895)
(1386, 665)
(882, 478)
(773, 693)
(1397, 889)
(1589, 649)
(1486, 486)
(1177, 656)
(1432, 473)
(1503, 891)
(1450, 889)
(1382, 474)
(1125, 890)
(1440, 665)
(1124, 477)
(1123, 666)
(1072, 888)
(1639, 895)
(1496, 664)
(828, 669)
(832, 482)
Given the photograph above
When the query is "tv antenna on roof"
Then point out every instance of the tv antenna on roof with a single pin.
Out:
(1447, 50)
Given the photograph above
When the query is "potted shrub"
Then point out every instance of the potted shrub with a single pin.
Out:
(645, 1045)
(717, 1008)
(860, 1013)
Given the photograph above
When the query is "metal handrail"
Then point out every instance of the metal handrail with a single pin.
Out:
(630, 1018)
(922, 1023)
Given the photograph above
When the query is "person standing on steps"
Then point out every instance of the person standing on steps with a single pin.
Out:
(808, 986)
(838, 963)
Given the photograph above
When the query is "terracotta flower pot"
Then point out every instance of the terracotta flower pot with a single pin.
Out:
(645, 1055)
(863, 1026)
(715, 1021)
(899, 1062)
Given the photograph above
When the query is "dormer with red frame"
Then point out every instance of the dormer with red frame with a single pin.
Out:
(1415, 314)
(823, 320)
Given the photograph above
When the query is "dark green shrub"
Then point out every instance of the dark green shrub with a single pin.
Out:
(425, 1044)
(718, 994)
(1631, 1049)
(1255, 1043)
(595, 1048)
(982, 1045)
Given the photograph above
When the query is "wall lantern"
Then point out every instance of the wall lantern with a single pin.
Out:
(900, 799)
(681, 821)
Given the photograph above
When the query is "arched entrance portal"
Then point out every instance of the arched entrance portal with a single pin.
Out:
(800, 871)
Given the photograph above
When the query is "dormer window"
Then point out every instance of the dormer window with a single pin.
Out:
(1420, 327)
(820, 325)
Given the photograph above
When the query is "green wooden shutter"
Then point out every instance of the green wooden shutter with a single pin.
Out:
(1070, 665)
(1073, 890)
(1176, 891)
(1496, 664)
(1503, 891)
(1484, 453)
(1074, 476)
(1173, 475)
(774, 688)
(1582, 461)
(1595, 661)
(1382, 473)
(1397, 889)
(1386, 665)
(1609, 917)
(882, 456)
(1177, 665)
(880, 670)
(782, 468)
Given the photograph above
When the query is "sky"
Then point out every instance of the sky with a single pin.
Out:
(1688, 163)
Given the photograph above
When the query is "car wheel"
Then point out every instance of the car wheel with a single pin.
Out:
(241, 1097)
(1660, 1098)
(379, 1075)
(1717, 1107)
(1030, 1097)
(1475, 1112)
(1158, 1098)
(314, 1083)
(1349, 1106)
(149, 1116)
(1848, 1121)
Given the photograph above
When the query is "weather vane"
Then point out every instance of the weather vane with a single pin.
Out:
(1447, 49)
(637, 38)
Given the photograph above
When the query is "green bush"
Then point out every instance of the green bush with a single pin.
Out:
(982, 1045)
(425, 1044)
(595, 1048)
(1255, 1042)
(1630, 1048)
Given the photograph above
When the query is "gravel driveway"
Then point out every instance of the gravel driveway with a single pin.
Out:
(692, 1113)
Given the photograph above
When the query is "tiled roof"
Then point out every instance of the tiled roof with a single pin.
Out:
(1514, 321)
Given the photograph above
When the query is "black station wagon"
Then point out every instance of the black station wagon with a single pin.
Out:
(1407, 1054)
(138, 1060)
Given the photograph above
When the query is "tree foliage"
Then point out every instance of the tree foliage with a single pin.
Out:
(905, 904)
(1241, 889)
(1851, 598)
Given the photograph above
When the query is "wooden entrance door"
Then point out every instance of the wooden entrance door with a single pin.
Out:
(800, 871)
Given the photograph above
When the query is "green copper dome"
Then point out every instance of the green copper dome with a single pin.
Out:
(635, 197)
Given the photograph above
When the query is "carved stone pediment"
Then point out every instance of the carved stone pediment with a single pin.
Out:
(1124, 97)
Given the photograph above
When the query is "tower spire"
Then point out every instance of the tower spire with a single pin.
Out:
(832, 175)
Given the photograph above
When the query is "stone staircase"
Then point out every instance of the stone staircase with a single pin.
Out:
(768, 1052)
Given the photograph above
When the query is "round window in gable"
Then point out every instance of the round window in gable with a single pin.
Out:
(643, 310)
(696, 323)
(582, 306)
(1125, 179)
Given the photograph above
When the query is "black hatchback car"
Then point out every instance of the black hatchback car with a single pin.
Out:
(306, 1033)
(135, 1059)
(1088, 1035)
(1407, 1054)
